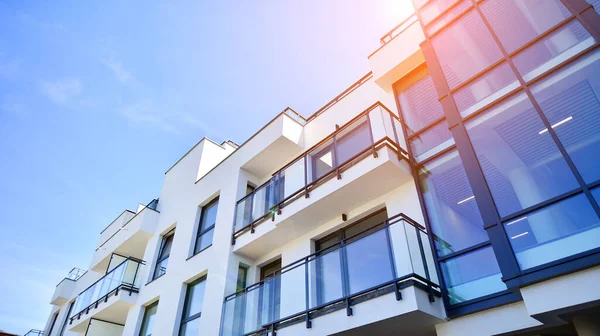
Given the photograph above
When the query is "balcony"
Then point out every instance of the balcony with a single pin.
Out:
(128, 239)
(274, 144)
(399, 54)
(110, 297)
(384, 276)
(336, 175)
(34, 332)
(64, 289)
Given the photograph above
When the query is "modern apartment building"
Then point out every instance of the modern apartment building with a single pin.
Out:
(453, 190)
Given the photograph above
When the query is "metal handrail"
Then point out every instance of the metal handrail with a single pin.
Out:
(338, 167)
(123, 284)
(349, 298)
(398, 29)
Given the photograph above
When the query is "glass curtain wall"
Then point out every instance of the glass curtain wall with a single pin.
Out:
(523, 81)
(460, 240)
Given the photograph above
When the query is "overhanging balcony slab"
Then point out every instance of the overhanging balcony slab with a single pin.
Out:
(273, 146)
(365, 181)
(129, 240)
(399, 56)
(64, 291)
(114, 309)
(383, 315)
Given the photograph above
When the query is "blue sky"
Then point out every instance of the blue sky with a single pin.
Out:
(98, 99)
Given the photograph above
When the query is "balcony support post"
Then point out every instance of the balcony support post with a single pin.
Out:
(388, 239)
(371, 135)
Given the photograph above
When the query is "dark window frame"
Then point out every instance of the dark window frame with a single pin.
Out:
(144, 319)
(201, 231)
(186, 303)
(64, 325)
(54, 319)
(169, 235)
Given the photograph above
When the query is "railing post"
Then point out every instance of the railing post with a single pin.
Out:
(306, 176)
(424, 259)
(137, 268)
(371, 134)
(334, 154)
(392, 261)
(345, 283)
(306, 292)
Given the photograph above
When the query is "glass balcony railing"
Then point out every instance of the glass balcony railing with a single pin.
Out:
(34, 332)
(125, 276)
(362, 136)
(379, 260)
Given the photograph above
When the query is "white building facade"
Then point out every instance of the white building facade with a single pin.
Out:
(450, 191)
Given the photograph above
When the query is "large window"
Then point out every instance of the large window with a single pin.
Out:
(570, 99)
(163, 254)
(206, 228)
(521, 163)
(453, 213)
(148, 321)
(192, 309)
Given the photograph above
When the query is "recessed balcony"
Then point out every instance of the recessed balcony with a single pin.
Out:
(342, 172)
(110, 297)
(128, 239)
(384, 277)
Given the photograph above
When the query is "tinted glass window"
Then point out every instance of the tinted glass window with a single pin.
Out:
(148, 321)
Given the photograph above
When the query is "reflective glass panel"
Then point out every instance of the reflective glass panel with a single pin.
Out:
(451, 207)
(472, 275)
(521, 164)
(420, 105)
(465, 48)
(518, 22)
(570, 100)
(552, 50)
(369, 262)
(596, 4)
(431, 141)
(554, 232)
(148, 322)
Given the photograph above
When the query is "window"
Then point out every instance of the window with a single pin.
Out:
(472, 275)
(518, 22)
(419, 102)
(570, 99)
(163, 254)
(521, 163)
(465, 48)
(453, 213)
(557, 231)
(148, 321)
(64, 325)
(192, 309)
(363, 270)
(269, 299)
(54, 318)
(208, 218)
(241, 278)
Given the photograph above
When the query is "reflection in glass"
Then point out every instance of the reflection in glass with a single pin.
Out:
(485, 89)
(369, 262)
(148, 321)
(432, 141)
(557, 231)
(521, 164)
(420, 105)
(472, 275)
(552, 50)
(192, 309)
(518, 22)
(465, 48)
(570, 100)
(351, 141)
(325, 278)
(451, 207)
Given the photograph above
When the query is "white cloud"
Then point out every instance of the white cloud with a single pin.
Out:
(63, 91)
(122, 75)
